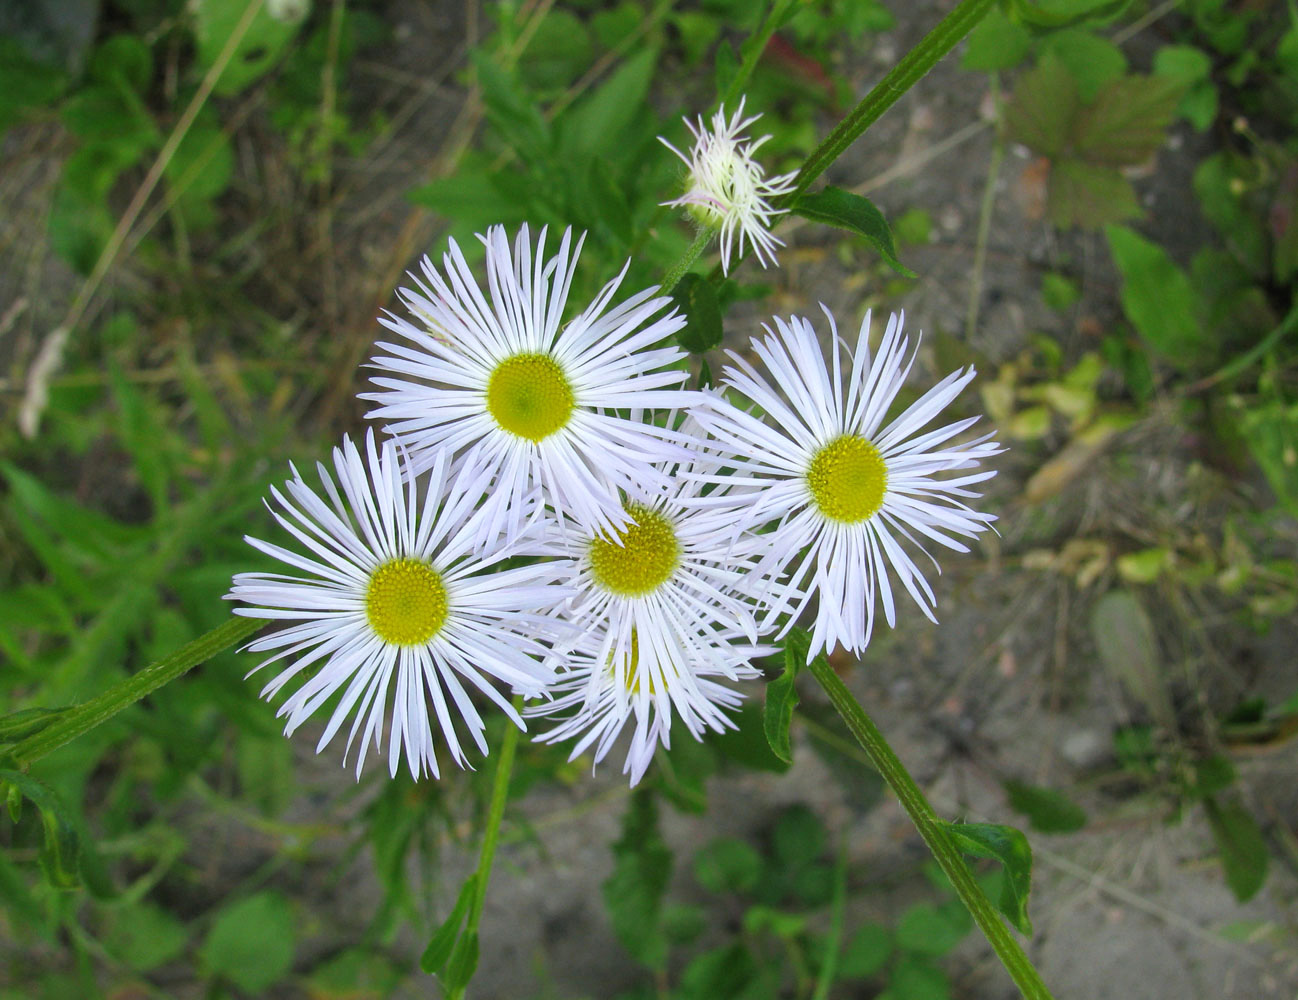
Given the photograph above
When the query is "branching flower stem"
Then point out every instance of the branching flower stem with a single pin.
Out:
(930, 828)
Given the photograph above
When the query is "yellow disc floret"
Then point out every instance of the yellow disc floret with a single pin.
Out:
(848, 479)
(405, 602)
(528, 395)
(640, 558)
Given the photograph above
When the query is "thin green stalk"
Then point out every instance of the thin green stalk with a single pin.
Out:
(83, 718)
(753, 49)
(913, 66)
(696, 248)
(930, 828)
(495, 813)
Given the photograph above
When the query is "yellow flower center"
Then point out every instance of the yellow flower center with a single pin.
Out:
(405, 602)
(640, 559)
(529, 395)
(848, 479)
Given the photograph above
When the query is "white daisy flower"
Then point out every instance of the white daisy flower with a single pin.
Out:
(396, 603)
(596, 697)
(840, 486)
(727, 188)
(660, 605)
(505, 384)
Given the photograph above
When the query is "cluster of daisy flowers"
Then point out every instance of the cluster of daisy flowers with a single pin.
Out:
(550, 518)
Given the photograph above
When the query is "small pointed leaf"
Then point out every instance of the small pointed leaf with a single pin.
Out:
(1008, 846)
(857, 214)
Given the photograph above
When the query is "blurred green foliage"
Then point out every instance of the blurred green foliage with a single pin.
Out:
(121, 524)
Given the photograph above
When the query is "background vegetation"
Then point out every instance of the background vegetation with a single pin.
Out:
(197, 235)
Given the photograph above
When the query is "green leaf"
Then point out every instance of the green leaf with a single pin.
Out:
(727, 865)
(917, 978)
(1212, 775)
(799, 838)
(1244, 855)
(61, 851)
(1066, 13)
(463, 963)
(933, 930)
(27, 85)
(1271, 430)
(252, 942)
(1081, 194)
(723, 974)
(781, 700)
(695, 297)
(857, 214)
(634, 892)
(996, 43)
(201, 168)
(1008, 846)
(122, 58)
(1127, 122)
(471, 199)
(1042, 106)
(559, 51)
(1158, 299)
(441, 944)
(727, 66)
(257, 51)
(1059, 291)
(1046, 809)
(138, 425)
(595, 124)
(1124, 638)
(866, 953)
(1093, 61)
(746, 743)
(684, 923)
(145, 936)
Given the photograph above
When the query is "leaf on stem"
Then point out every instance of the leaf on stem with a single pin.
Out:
(834, 206)
(1008, 846)
(782, 699)
(61, 852)
(697, 299)
(442, 943)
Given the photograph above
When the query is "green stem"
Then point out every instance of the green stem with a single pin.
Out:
(753, 48)
(913, 66)
(930, 828)
(495, 813)
(687, 260)
(83, 718)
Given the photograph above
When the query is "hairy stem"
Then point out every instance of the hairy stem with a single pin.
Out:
(913, 66)
(926, 821)
(83, 718)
